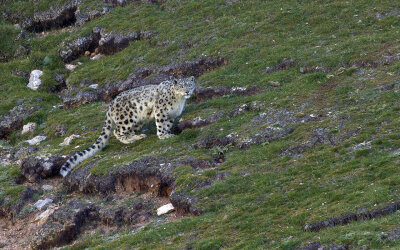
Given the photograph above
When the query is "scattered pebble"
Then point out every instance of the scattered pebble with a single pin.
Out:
(165, 209)
(87, 53)
(34, 79)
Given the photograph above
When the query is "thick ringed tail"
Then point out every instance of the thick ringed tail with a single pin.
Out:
(80, 156)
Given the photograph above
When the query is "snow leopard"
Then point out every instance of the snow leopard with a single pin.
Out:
(130, 109)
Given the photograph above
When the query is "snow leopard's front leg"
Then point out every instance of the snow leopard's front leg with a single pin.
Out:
(163, 123)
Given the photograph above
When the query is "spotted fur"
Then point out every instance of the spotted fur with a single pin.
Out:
(130, 109)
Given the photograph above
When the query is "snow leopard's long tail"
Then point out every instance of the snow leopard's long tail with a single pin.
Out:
(80, 156)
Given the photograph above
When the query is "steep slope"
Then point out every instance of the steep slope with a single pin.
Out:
(290, 141)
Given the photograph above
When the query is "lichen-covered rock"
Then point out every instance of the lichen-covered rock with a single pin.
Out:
(202, 94)
(34, 169)
(28, 128)
(75, 99)
(34, 79)
(199, 122)
(283, 65)
(14, 120)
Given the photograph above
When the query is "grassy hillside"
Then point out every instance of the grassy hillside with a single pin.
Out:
(340, 95)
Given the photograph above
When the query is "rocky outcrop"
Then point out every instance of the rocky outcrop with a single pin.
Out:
(63, 225)
(143, 76)
(57, 16)
(285, 64)
(153, 175)
(14, 120)
(100, 41)
(350, 217)
(34, 169)
(202, 94)
(148, 175)
(198, 122)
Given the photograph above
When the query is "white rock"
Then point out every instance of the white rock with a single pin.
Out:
(34, 79)
(68, 140)
(96, 57)
(94, 86)
(70, 67)
(28, 128)
(47, 187)
(41, 204)
(165, 209)
(36, 140)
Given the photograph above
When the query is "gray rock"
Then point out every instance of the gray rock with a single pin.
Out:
(35, 169)
(42, 204)
(14, 120)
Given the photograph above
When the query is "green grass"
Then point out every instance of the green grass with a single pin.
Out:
(266, 197)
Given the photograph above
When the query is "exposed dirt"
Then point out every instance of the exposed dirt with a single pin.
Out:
(14, 234)
(350, 217)
(11, 211)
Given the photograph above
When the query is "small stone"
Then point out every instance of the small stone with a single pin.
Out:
(34, 79)
(47, 187)
(87, 53)
(96, 51)
(274, 84)
(36, 140)
(165, 209)
(93, 54)
(94, 86)
(41, 204)
(29, 128)
(68, 140)
(70, 67)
